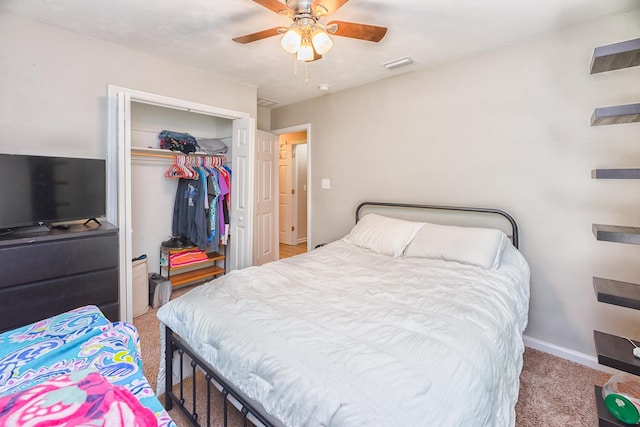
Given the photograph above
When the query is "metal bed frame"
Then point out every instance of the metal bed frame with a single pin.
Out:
(514, 225)
(248, 408)
(175, 344)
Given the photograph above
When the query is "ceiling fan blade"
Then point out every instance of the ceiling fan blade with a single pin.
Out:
(327, 6)
(316, 56)
(276, 6)
(371, 33)
(248, 38)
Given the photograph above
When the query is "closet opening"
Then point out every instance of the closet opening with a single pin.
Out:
(153, 194)
(141, 198)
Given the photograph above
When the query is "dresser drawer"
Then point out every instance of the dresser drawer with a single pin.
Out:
(46, 260)
(24, 304)
(111, 311)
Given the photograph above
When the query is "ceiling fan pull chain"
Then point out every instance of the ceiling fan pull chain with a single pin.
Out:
(306, 74)
(295, 65)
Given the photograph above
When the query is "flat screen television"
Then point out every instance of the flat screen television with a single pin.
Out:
(40, 190)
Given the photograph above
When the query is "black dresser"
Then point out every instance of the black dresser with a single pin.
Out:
(46, 274)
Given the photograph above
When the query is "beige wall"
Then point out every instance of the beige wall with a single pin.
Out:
(53, 88)
(263, 121)
(509, 129)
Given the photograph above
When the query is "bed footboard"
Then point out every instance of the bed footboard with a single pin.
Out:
(175, 345)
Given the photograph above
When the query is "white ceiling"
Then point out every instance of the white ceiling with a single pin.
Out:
(199, 33)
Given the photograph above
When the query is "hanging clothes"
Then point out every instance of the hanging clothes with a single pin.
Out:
(189, 218)
(213, 193)
(225, 189)
(202, 205)
(227, 204)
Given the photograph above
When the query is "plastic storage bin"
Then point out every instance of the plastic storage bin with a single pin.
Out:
(160, 289)
(622, 397)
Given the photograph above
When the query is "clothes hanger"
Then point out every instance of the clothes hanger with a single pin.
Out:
(187, 164)
(175, 170)
(219, 166)
(208, 164)
(198, 162)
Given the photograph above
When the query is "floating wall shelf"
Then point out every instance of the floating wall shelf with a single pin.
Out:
(615, 173)
(614, 292)
(616, 352)
(616, 56)
(616, 233)
(616, 114)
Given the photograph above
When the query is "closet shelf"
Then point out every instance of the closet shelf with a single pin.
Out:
(616, 56)
(213, 257)
(191, 274)
(629, 173)
(616, 352)
(616, 114)
(614, 292)
(195, 276)
(616, 233)
(165, 154)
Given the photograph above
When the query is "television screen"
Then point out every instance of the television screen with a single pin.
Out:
(40, 190)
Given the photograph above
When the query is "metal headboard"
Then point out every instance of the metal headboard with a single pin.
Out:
(514, 225)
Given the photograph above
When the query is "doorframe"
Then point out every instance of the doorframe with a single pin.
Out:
(119, 172)
(296, 193)
(298, 128)
(296, 173)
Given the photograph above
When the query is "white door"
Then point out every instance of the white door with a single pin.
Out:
(242, 187)
(122, 215)
(285, 195)
(266, 232)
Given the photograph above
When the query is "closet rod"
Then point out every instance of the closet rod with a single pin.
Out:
(162, 156)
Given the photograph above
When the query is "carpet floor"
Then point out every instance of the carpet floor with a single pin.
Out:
(554, 392)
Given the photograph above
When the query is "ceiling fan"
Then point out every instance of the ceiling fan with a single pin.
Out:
(307, 37)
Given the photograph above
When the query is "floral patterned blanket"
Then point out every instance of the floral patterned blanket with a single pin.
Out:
(78, 340)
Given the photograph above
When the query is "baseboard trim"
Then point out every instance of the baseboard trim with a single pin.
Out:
(566, 353)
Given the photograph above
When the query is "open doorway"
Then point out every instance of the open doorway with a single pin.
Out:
(120, 194)
(293, 193)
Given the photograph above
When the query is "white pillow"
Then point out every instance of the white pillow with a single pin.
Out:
(481, 247)
(383, 235)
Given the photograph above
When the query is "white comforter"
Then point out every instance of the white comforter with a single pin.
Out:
(345, 337)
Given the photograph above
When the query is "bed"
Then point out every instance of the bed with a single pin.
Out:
(401, 322)
(76, 367)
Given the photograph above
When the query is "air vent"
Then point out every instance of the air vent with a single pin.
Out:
(398, 63)
(266, 102)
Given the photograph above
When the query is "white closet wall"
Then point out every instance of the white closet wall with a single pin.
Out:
(152, 194)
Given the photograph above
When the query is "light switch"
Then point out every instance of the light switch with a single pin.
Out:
(326, 183)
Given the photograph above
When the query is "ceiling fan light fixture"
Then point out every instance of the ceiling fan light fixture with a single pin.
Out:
(322, 43)
(291, 40)
(305, 52)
